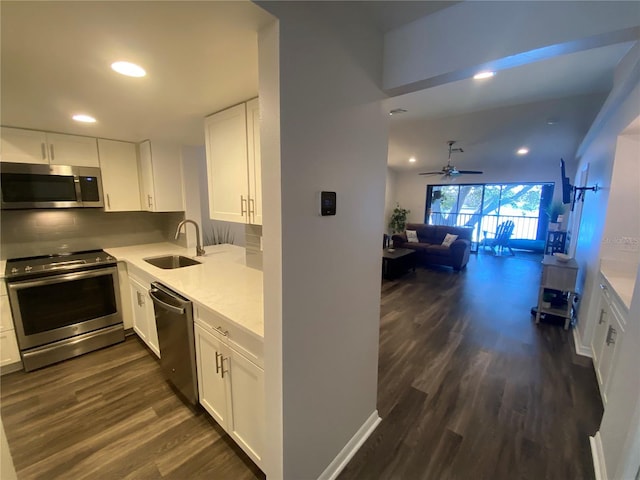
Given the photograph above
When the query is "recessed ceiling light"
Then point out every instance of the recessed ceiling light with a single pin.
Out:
(522, 151)
(396, 111)
(412, 160)
(552, 121)
(80, 117)
(483, 75)
(128, 69)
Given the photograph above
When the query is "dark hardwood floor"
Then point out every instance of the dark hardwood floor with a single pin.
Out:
(470, 388)
(110, 415)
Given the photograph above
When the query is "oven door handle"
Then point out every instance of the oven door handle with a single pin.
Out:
(166, 306)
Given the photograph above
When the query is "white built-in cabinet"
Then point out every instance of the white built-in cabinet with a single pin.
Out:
(120, 180)
(231, 381)
(33, 146)
(160, 177)
(9, 352)
(144, 320)
(607, 336)
(232, 141)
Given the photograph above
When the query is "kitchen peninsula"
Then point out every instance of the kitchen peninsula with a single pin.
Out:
(228, 317)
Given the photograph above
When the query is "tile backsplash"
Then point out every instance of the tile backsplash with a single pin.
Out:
(26, 233)
(253, 246)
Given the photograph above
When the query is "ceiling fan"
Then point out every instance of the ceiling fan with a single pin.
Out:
(449, 170)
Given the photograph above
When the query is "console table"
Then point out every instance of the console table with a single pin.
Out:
(559, 276)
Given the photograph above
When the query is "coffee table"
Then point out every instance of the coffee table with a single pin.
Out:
(397, 262)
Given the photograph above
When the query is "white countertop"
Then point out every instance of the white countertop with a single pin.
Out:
(622, 278)
(223, 283)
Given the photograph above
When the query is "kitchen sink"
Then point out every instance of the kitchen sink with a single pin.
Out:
(169, 262)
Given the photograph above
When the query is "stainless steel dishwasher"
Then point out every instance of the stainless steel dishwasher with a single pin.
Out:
(174, 320)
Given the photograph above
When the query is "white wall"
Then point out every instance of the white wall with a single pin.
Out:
(333, 136)
(269, 95)
(621, 242)
(390, 195)
(191, 159)
(598, 151)
(452, 39)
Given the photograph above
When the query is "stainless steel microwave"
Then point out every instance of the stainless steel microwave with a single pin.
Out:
(26, 185)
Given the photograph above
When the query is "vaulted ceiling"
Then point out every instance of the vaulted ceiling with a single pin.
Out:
(202, 57)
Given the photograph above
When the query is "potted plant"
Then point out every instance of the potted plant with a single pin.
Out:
(398, 219)
(555, 210)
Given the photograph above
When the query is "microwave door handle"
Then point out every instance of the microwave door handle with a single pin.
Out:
(78, 187)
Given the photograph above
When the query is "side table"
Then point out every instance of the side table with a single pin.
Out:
(560, 276)
(397, 262)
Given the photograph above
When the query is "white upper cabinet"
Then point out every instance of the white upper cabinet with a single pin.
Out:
(160, 177)
(23, 146)
(233, 164)
(254, 162)
(120, 181)
(72, 150)
(30, 146)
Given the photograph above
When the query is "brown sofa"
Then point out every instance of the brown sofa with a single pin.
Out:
(430, 249)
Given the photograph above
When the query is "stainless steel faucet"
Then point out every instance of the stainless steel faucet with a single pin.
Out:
(199, 250)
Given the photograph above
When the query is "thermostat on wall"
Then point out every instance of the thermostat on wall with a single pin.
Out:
(327, 203)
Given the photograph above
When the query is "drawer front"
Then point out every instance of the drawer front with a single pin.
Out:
(9, 352)
(557, 278)
(241, 341)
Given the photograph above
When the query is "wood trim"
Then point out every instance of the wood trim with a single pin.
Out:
(351, 448)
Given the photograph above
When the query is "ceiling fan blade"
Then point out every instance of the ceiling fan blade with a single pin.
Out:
(470, 171)
(431, 173)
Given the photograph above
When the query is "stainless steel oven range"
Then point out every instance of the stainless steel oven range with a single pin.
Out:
(64, 305)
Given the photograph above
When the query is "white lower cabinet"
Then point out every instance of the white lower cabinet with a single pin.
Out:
(144, 320)
(608, 334)
(231, 389)
(9, 352)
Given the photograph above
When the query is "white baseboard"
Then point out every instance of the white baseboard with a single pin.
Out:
(350, 449)
(598, 457)
(581, 349)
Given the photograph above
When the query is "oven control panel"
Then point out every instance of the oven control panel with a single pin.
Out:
(49, 264)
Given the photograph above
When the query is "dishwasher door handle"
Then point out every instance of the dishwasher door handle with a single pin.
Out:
(171, 308)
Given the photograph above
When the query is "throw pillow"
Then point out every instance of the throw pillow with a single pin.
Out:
(448, 240)
(412, 236)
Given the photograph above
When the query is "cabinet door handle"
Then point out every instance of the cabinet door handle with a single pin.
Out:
(149, 199)
(252, 207)
(217, 363)
(603, 287)
(222, 370)
(222, 331)
(139, 297)
(243, 210)
(43, 147)
(53, 154)
(108, 201)
(611, 336)
(602, 314)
